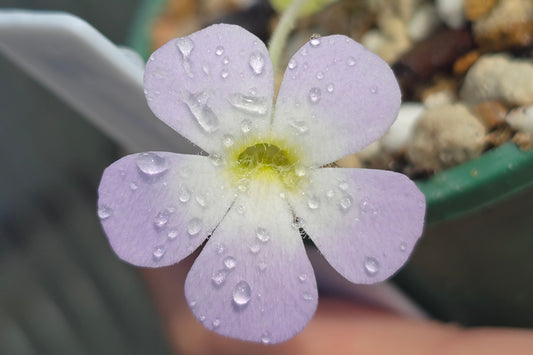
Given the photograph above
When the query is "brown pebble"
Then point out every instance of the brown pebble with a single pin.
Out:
(499, 136)
(524, 140)
(490, 113)
(463, 63)
(475, 9)
(434, 54)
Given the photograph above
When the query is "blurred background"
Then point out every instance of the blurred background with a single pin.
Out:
(62, 290)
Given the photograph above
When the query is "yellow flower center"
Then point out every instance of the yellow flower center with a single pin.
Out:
(269, 160)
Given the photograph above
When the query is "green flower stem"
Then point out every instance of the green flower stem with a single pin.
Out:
(282, 30)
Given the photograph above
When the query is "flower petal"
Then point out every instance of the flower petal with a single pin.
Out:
(157, 207)
(212, 86)
(338, 93)
(365, 222)
(253, 280)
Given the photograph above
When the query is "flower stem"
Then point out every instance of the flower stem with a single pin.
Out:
(281, 32)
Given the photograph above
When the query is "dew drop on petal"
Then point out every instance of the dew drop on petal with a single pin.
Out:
(257, 62)
(219, 50)
(254, 105)
(197, 104)
(219, 277)
(205, 68)
(351, 61)
(298, 126)
(374, 89)
(330, 87)
(241, 209)
(320, 75)
(255, 248)
(230, 262)
(266, 337)
(298, 223)
(262, 234)
(307, 296)
(343, 185)
(225, 60)
(216, 159)
(330, 193)
(185, 46)
(151, 163)
(371, 266)
(262, 265)
(104, 212)
(224, 73)
(158, 253)
(292, 64)
(201, 318)
(302, 277)
(315, 42)
(345, 203)
(161, 219)
(172, 234)
(192, 304)
(246, 126)
(216, 322)
(201, 200)
(184, 194)
(194, 226)
(242, 293)
(403, 246)
(313, 202)
(133, 186)
(228, 140)
(220, 248)
(314, 95)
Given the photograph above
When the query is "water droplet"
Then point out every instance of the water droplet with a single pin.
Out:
(243, 184)
(158, 253)
(228, 140)
(104, 212)
(255, 248)
(229, 262)
(201, 318)
(302, 277)
(194, 226)
(241, 209)
(367, 207)
(343, 185)
(184, 194)
(220, 248)
(201, 200)
(133, 186)
(262, 265)
(219, 277)
(185, 46)
(345, 203)
(224, 73)
(300, 171)
(205, 68)
(374, 89)
(219, 50)
(320, 75)
(172, 234)
(266, 337)
(205, 117)
(308, 297)
(242, 293)
(299, 126)
(330, 87)
(262, 234)
(151, 163)
(305, 52)
(257, 62)
(216, 323)
(313, 202)
(192, 304)
(298, 223)
(351, 61)
(314, 95)
(403, 246)
(161, 219)
(246, 126)
(330, 193)
(216, 159)
(371, 266)
(254, 105)
(292, 64)
(225, 60)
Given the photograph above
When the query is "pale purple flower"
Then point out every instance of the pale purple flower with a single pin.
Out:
(264, 179)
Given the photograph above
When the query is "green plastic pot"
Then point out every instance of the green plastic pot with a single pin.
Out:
(473, 264)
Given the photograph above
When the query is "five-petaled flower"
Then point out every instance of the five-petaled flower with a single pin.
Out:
(266, 179)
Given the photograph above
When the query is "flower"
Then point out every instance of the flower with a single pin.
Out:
(266, 179)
